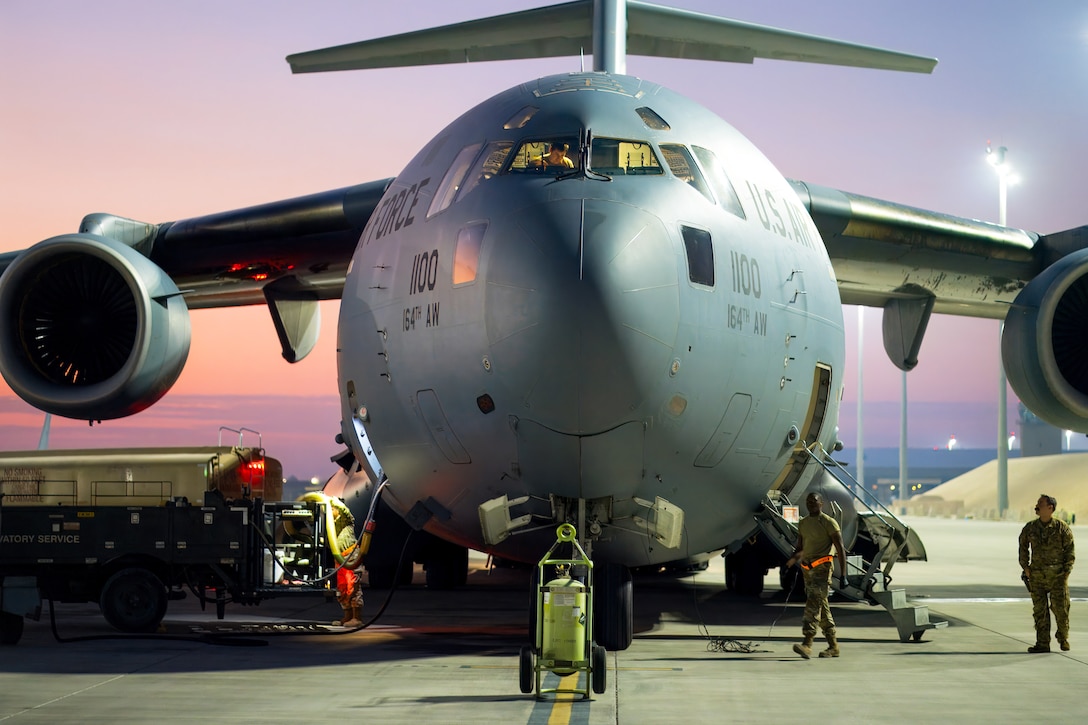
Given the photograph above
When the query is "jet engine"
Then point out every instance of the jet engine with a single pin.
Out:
(90, 328)
(1045, 344)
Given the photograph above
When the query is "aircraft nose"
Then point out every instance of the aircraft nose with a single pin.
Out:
(582, 309)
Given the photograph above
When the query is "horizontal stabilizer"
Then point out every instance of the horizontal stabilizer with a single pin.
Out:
(671, 33)
(548, 32)
(567, 30)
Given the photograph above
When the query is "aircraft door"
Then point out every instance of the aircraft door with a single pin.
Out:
(355, 436)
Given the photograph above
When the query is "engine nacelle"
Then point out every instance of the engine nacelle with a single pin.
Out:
(1045, 344)
(90, 328)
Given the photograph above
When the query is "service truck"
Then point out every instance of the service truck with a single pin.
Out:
(134, 529)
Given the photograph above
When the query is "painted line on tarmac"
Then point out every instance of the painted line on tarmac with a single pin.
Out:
(616, 669)
(982, 600)
(564, 709)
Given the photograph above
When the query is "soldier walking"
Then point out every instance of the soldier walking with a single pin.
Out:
(1046, 556)
(817, 533)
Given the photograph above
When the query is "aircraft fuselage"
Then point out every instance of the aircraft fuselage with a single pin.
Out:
(658, 321)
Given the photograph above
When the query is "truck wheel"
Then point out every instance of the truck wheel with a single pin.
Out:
(133, 600)
(11, 628)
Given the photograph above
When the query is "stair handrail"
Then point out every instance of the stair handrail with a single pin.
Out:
(858, 491)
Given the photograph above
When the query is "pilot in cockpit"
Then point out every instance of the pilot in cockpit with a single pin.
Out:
(556, 156)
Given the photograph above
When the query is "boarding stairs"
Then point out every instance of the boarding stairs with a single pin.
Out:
(882, 540)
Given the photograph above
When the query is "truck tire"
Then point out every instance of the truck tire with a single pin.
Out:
(11, 628)
(133, 600)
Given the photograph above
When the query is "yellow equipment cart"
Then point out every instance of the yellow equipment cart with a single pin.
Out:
(563, 626)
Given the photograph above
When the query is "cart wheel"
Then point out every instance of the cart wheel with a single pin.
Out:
(526, 669)
(133, 600)
(11, 628)
(600, 669)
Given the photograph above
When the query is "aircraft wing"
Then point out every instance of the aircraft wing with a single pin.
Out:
(567, 30)
(294, 248)
(912, 262)
(883, 251)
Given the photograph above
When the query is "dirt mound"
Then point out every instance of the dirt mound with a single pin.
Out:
(1065, 477)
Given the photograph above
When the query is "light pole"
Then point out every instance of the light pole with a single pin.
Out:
(861, 397)
(996, 157)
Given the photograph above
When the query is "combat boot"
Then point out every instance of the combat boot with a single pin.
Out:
(355, 618)
(1064, 644)
(832, 647)
(804, 648)
(1037, 648)
(348, 620)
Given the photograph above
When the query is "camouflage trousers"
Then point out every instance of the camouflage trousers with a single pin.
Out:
(1049, 586)
(349, 589)
(817, 610)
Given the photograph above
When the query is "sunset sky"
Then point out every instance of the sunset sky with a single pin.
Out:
(161, 111)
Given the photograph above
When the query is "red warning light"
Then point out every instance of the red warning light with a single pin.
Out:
(251, 470)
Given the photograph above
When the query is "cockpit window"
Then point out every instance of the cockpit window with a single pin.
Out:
(616, 157)
(519, 119)
(489, 164)
(683, 167)
(719, 180)
(545, 156)
(652, 120)
(451, 182)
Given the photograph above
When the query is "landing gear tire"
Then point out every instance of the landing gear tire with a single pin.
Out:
(382, 576)
(614, 617)
(526, 669)
(744, 573)
(133, 600)
(220, 603)
(11, 628)
(600, 668)
(789, 578)
(447, 567)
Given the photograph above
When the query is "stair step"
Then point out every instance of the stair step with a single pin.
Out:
(912, 620)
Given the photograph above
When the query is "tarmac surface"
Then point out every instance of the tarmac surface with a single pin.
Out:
(700, 654)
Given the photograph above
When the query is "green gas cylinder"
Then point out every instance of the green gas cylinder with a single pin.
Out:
(564, 617)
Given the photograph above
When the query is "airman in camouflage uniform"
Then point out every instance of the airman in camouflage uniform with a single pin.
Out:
(1046, 556)
(349, 590)
(816, 534)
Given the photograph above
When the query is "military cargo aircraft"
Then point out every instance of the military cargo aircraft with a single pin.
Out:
(588, 299)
